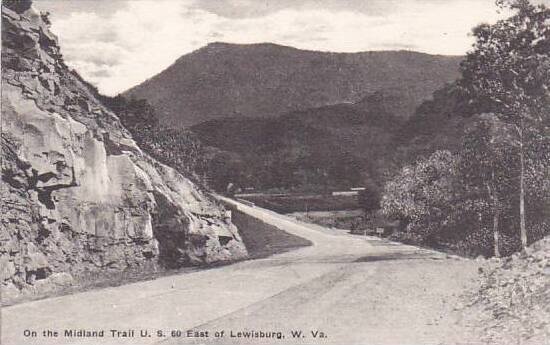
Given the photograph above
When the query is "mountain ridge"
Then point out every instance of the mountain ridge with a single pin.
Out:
(223, 44)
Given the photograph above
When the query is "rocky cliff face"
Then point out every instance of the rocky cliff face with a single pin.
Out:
(79, 196)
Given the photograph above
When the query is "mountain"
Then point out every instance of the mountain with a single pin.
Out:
(80, 199)
(267, 80)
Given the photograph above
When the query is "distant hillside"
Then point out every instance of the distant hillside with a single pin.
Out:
(437, 124)
(266, 80)
(336, 146)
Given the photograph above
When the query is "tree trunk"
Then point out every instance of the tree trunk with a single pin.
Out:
(482, 228)
(523, 230)
(496, 233)
(496, 214)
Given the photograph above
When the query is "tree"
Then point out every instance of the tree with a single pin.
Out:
(508, 73)
(484, 165)
(423, 195)
(369, 199)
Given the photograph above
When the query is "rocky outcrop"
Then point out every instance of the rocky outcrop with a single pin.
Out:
(512, 304)
(79, 196)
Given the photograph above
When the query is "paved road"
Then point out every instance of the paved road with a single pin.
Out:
(344, 289)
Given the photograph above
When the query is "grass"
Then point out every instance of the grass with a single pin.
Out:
(263, 240)
(346, 220)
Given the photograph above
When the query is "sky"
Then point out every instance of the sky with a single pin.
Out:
(117, 44)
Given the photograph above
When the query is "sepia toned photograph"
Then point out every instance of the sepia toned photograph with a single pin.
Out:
(293, 172)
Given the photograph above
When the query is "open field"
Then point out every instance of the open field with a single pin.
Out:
(289, 203)
(348, 220)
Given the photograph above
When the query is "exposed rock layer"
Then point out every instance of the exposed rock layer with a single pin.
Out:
(79, 196)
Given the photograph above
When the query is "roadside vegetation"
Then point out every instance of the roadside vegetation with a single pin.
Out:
(263, 240)
(490, 196)
(352, 220)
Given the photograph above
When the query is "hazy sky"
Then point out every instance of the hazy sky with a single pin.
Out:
(118, 44)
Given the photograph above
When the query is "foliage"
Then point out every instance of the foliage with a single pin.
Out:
(451, 199)
(369, 199)
(487, 168)
(287, 153)
(508, 73)
(496, 182)
(437, 124)
(422, 194)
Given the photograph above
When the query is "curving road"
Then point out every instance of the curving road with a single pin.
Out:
(343, 289)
